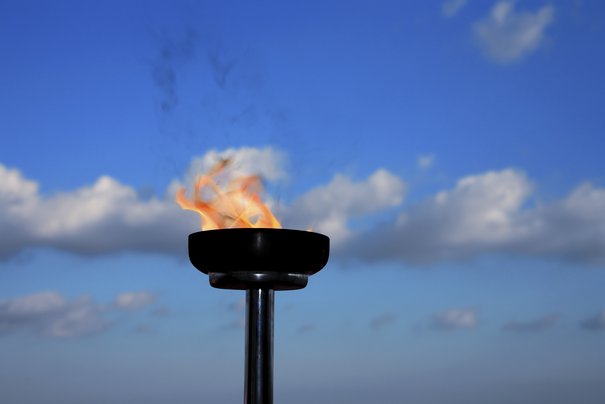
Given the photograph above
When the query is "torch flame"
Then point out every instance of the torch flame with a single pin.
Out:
(231, 204)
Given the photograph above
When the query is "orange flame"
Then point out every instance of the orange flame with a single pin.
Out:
(235, 203)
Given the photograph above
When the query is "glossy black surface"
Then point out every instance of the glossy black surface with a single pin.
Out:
(259, 261)
(258, 250)
(258, 280)
(258, 386)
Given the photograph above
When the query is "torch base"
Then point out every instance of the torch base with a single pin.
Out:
(246, 280)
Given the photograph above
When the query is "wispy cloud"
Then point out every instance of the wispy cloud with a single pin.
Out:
(382, 320)
(595, 323)
(425, 161)
(450, 8)
(506, 35)
(50, 314)
(134, 300)
(452, 319)
(534, 325)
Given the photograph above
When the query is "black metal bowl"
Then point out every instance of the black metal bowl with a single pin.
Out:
(284, 251)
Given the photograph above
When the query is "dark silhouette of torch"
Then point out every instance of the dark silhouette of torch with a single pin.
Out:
(259, 261)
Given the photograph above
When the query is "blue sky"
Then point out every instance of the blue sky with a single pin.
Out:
(452, 150)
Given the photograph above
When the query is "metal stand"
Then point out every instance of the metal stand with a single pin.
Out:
(259, 346)
(276, 259)
(260, 290)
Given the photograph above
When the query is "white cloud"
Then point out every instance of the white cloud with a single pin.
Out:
(426, 161)
(572, 228)
(477, 216)
(104, 217)
(450, 8)
(480, 208)
(455, 319)
(31, 305)
(266, 162)
(80, 318)
(15, 188)
(134, 300)
(488, 213)
(483, 213)
(329, 208)
(534, 325)
(108, 216)
(50, 314)
(506, 35)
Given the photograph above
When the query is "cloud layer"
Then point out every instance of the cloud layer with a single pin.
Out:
(452, 319)
(50, 314)
(491, 212)
(106, 216)
(506, 35)
(109, 217)
(330, 208)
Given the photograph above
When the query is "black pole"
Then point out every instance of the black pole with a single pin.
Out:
(259, 261)
(259, 346)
